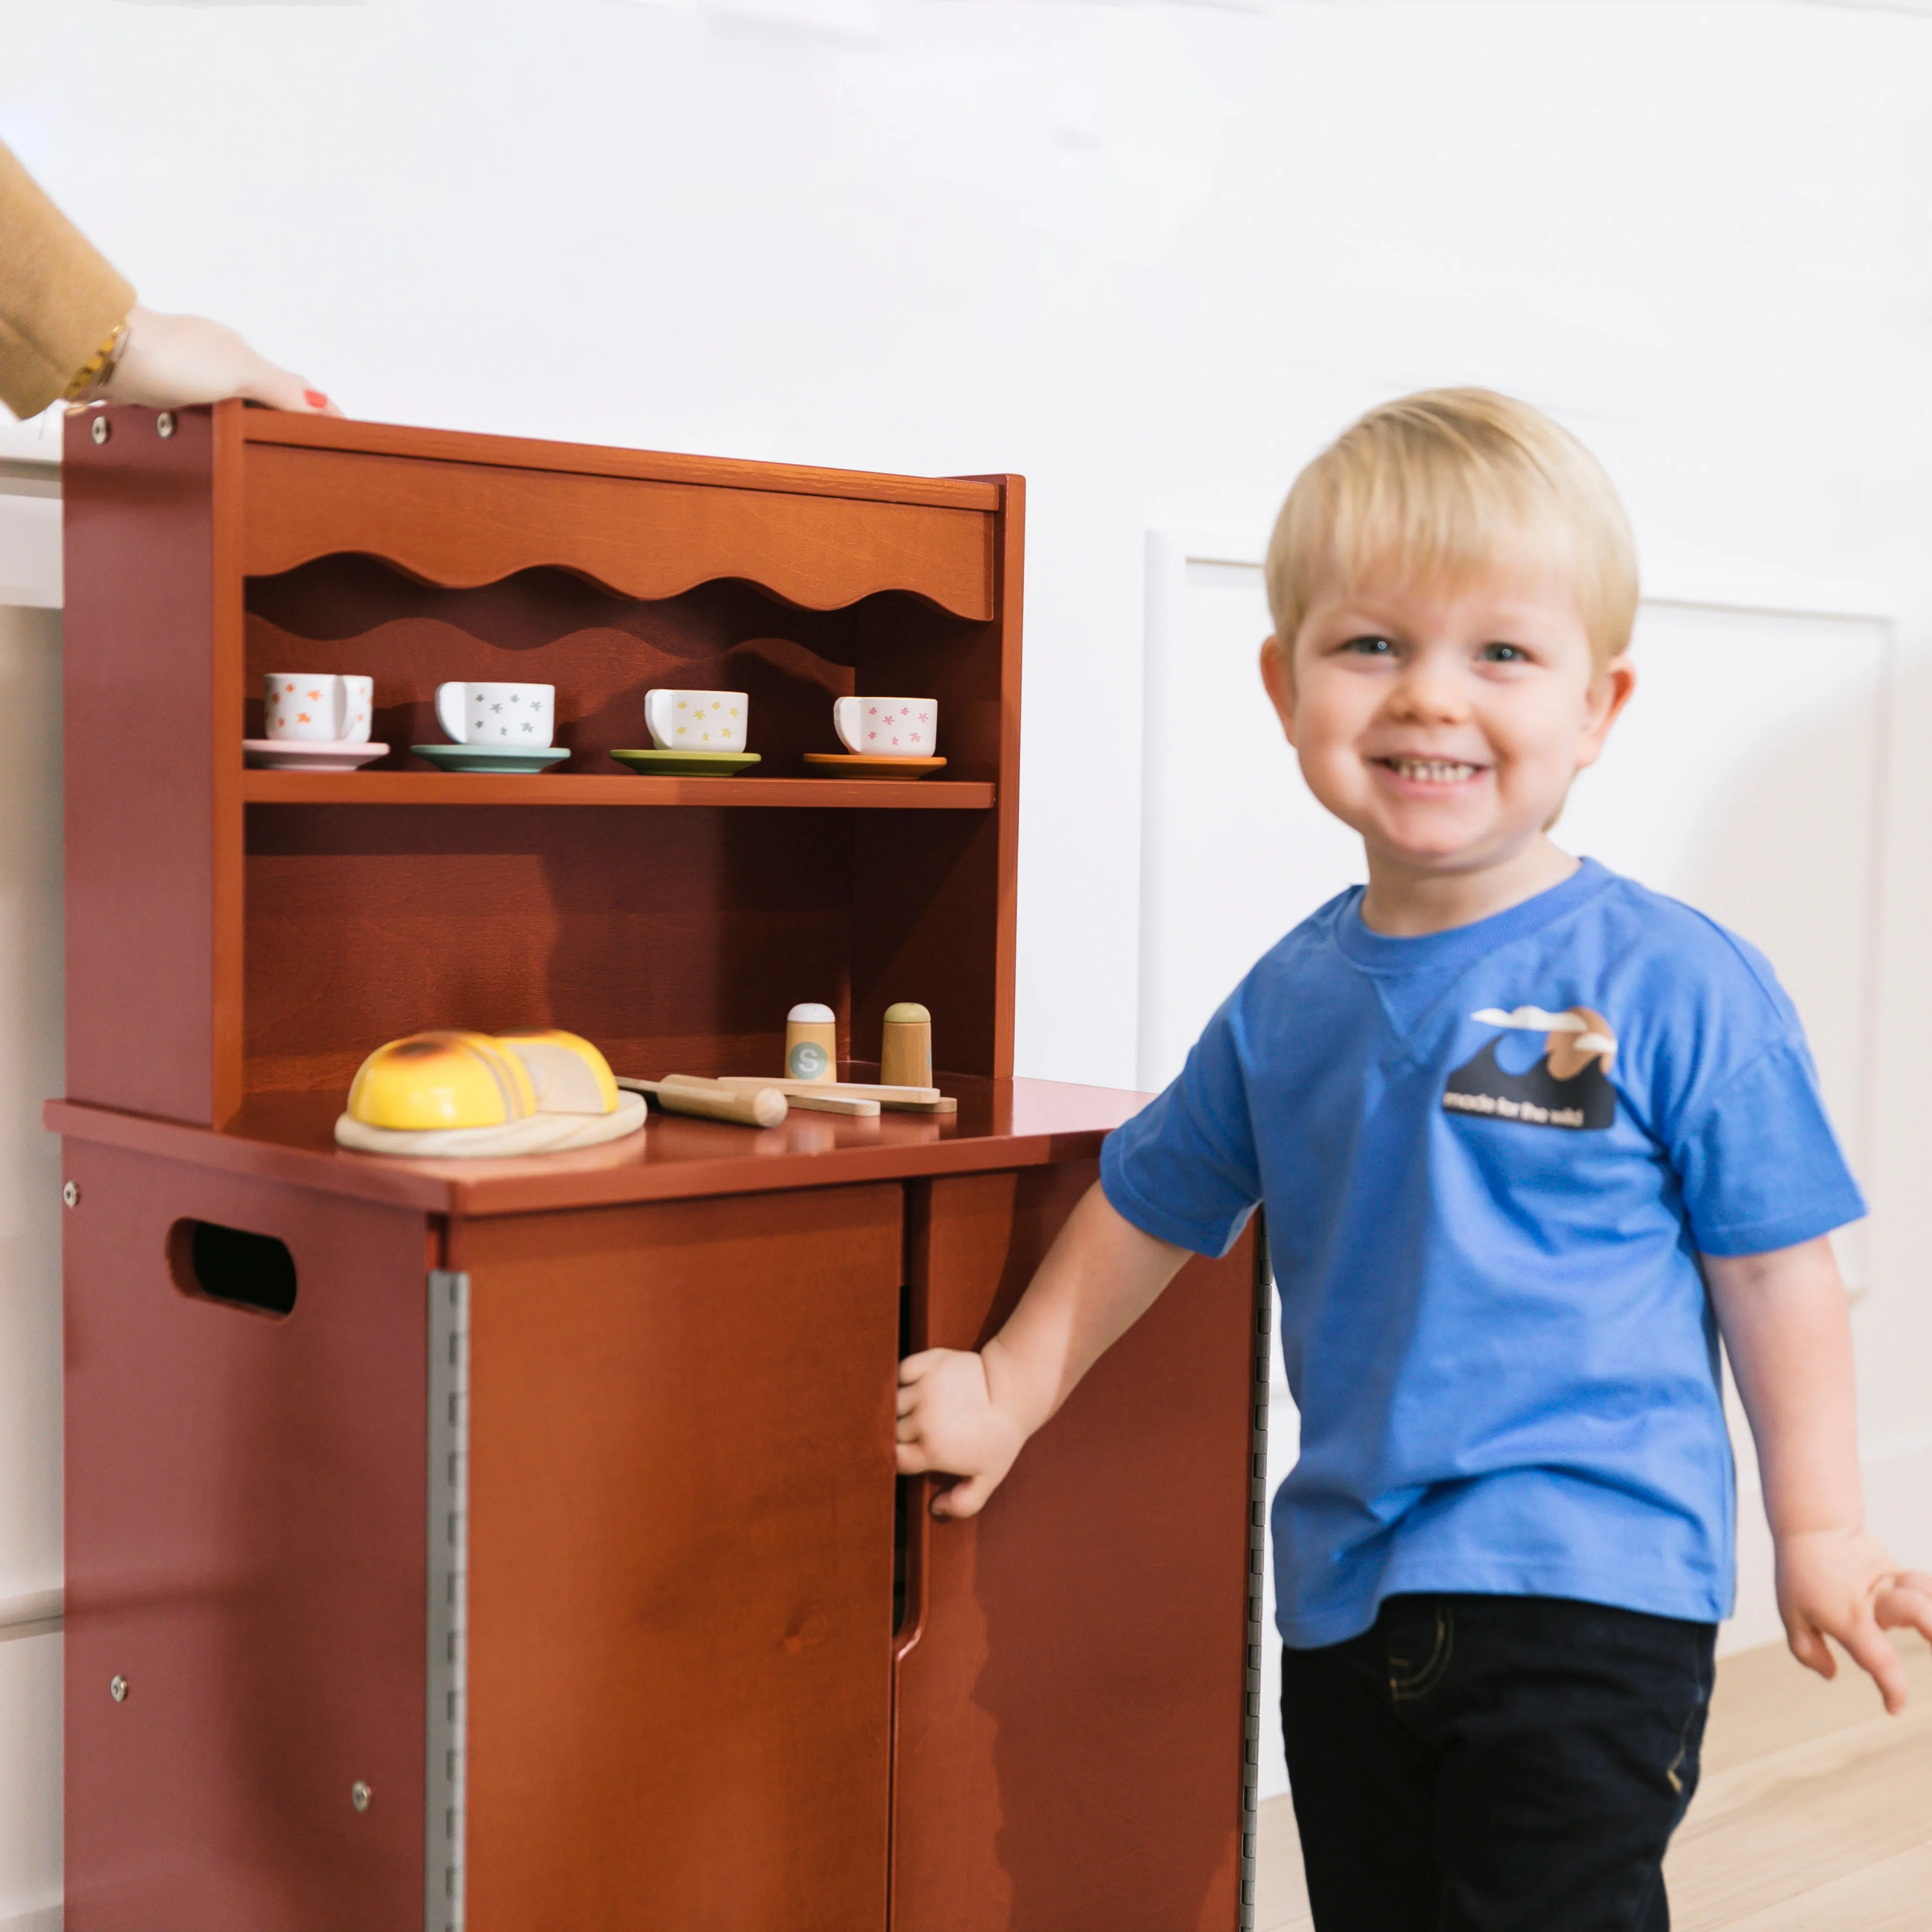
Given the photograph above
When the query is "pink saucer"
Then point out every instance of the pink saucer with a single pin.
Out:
(297, 754)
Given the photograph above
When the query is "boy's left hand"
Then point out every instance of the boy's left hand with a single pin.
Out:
(1841, 1583)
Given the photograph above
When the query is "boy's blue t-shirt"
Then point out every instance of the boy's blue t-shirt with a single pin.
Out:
(1492, 1317)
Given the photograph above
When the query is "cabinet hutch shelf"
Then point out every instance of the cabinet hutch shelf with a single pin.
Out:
(387, 788)
(278, 942)
(496, 1545)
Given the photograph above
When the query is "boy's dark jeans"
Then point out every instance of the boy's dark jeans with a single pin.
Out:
(1494, 1764)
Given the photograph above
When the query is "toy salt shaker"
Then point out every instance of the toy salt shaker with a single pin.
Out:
(905, 1052)
(812, 1045)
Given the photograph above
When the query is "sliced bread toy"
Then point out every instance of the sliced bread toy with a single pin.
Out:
(570, 1075)
(451, 1095)
(430, 1081)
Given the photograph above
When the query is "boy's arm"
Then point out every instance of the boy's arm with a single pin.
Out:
(967, 1415)
(1787, 1328)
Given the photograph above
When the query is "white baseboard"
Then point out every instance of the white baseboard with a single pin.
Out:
(32, 1613)
(35, 1918)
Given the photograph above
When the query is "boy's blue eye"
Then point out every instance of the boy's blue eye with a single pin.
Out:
(1375, 647)
(1503, 653)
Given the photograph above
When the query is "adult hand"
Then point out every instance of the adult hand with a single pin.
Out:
(170, 361)
(1841, 1584)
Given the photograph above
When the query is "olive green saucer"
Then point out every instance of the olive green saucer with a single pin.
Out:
(687, 764)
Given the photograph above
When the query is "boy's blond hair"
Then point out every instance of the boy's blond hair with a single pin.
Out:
(1449, 485)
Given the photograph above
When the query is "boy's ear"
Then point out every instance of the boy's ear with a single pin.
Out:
(1610, 691)
(1278, 679)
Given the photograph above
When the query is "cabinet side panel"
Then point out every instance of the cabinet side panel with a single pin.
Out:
(1070, 1695)
(245, 1551)
(1012, 606)
(680, 1564)
(139, 536)
(935, 903)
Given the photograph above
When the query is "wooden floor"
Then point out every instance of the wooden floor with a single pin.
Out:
(1814, 1813)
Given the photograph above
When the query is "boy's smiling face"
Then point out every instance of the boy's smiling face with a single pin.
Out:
(1445, 723)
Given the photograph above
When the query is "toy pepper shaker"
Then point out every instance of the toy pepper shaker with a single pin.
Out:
(812, 1045)
(905, 1054)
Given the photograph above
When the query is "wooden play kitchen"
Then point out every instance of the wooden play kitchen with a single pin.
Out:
(514, 1544)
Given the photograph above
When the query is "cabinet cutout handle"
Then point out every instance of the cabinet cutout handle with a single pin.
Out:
(218, 1263)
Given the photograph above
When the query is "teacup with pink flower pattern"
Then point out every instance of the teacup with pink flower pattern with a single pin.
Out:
(887, 727)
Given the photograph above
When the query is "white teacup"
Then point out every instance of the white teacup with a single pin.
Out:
(697, 720)
(497, 714)
(887, 727)
(317, 707)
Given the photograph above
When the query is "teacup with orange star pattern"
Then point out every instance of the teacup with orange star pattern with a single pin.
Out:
(317, 707)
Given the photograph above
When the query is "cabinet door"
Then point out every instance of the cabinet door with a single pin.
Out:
(680, 1599)
(245, 1556)
(1072, 1671)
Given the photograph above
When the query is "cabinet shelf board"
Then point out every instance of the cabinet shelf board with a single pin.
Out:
(289, 1138)
(368, 787)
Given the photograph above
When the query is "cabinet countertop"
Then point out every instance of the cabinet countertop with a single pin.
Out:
(1000, 1124)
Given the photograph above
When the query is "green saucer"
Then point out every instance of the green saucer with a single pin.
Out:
(492, 757)
(687, 764)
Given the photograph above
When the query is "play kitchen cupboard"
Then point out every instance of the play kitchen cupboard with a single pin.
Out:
(515, 1544)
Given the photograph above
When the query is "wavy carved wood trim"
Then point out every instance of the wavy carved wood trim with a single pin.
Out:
(459, 525)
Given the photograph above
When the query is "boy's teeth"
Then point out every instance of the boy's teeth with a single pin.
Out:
(1432, 771)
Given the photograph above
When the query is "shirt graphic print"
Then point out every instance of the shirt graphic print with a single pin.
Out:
(1568, 1086)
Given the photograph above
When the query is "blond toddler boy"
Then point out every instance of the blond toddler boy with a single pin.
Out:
(1531, 1139)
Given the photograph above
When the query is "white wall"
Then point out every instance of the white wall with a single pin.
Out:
(1740, 687)
(30, 1209)
(1151, 255)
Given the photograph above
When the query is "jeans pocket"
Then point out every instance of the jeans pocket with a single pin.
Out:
(1410, 1678)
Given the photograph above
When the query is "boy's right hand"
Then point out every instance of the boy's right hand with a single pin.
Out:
(967, 1415)
(951, 1422)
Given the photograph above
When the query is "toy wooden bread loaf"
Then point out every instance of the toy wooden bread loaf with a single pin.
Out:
(450, 1094)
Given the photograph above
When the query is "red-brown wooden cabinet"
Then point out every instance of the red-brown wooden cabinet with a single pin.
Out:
(517, 1545)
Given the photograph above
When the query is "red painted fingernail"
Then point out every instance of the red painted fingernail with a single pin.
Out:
(315, 399)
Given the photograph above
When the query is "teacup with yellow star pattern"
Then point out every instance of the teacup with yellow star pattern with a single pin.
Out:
(697, 720)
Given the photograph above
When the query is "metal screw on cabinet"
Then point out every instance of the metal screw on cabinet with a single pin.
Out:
(164, 424)
(70, 1194)
(118, 1690)
(359, 1795)
(102, 430)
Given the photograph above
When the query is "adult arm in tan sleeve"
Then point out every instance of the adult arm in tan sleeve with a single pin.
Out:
(60, 301)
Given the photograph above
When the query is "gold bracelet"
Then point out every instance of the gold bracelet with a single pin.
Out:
(95, 373)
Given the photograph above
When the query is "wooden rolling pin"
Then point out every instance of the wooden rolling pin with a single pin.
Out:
(799, 1091)
(810, 1094)
(759, 1105)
